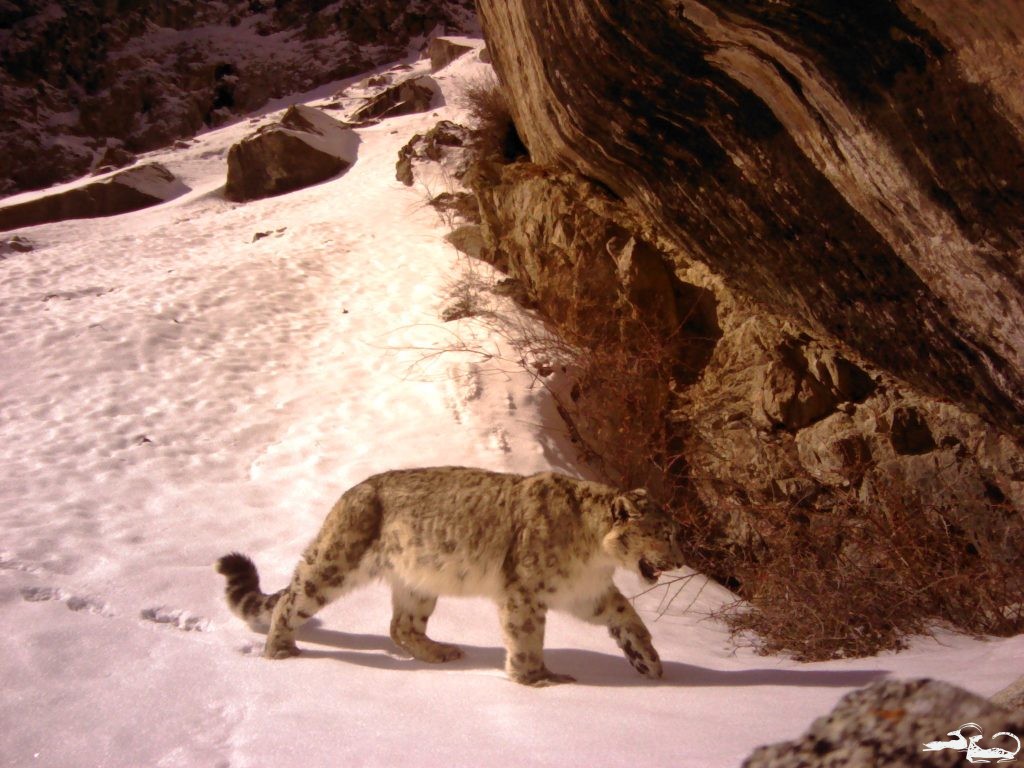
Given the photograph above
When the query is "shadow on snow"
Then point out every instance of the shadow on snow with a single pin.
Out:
(589, 667)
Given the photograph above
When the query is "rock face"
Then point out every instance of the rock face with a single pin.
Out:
(843, 165)
(80, 80)
(816, 202)
(305, 148)
(890, 723)
(129, 190)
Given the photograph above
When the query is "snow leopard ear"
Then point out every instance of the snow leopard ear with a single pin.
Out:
(630, 505)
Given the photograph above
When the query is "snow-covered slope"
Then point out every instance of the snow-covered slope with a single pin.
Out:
(173, 387)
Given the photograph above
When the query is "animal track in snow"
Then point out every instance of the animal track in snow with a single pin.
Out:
(251, 649)
(77, 294)
(176, 618)
(464, 386)
(8, 563)
(73, 602)
(498, 440)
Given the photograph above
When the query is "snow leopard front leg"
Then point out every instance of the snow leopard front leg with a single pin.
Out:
(523, 616)
(614, 611)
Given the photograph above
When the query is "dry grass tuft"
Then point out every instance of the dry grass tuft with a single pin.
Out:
(494, 131)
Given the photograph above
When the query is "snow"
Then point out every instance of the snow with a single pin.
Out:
(151, 181)
(326, 134)
(173, 387)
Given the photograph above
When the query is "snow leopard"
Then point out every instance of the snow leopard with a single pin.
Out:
(531, 543)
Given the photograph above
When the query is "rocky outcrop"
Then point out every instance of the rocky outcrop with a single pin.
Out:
(843, 166)
(756, 410)
(122, 192)
(79, 79)
(408, 97)
(443, 51)
(904, 723)
(1011, 697)
(447, 143)
(817, 200)
(304, 148)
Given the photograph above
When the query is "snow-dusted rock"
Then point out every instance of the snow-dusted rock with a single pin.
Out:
(889, 723)
(122, 192)
(445, 143)
(305, 148)
(416, 94)
(444, 50)
(1012, 696)
(73, 75)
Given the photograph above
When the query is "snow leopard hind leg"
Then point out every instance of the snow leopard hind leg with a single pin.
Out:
(330, 567)
(412, 610)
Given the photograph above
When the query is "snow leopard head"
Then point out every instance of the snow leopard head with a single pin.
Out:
(645, 537)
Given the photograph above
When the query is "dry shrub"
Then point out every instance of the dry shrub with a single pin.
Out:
(617, 405)
(494, 131)
(859, 579)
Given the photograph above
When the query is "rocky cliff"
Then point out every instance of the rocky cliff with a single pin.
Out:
(826, 200)
(90, 84)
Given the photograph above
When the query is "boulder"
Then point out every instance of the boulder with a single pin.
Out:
(416, 94)
(1012, 696)
(901, 723)
(121, 192)
(457, 205)
(304, 148)
(114, 157)
(446, 143)
(466, 239)
(16, 244)
(444, 50)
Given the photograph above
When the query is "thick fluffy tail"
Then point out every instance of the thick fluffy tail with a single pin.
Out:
(243, 590)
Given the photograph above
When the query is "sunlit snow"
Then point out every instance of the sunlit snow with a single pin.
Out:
(205, 376)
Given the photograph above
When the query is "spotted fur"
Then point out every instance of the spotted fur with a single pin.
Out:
(531, 543)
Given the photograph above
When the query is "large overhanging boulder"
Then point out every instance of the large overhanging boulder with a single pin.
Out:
(122, 192)
(304, 148)
(854, 167)
(787, 237)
